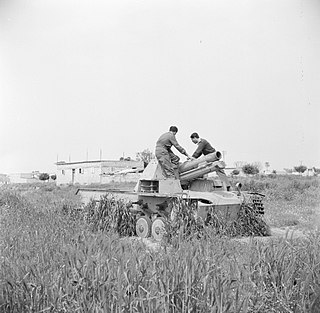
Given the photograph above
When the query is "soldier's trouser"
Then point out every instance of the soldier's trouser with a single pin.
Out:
(168, 161)
(222, 175)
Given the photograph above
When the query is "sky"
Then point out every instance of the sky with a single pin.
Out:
(82, 76)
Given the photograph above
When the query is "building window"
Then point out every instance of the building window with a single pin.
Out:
(81, 171)
(63, 172)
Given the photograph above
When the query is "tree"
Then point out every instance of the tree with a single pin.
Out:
(44, 176)
(145, 156)
(300, 169)
(250, 169)
(53, 177)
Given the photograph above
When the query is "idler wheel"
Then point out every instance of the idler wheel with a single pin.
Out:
(143, 227)
(158, 228)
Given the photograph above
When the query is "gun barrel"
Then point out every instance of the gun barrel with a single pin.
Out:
(201, 171)
(189, 165)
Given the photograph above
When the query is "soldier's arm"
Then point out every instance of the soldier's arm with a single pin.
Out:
(174, 142)
(198, 151)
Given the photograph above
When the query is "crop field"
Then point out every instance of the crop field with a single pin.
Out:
(56, 256)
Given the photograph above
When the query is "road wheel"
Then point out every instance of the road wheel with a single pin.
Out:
(143, 227)
(158, 228)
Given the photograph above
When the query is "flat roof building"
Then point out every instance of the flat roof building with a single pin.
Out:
(24, 178)
(97, 172)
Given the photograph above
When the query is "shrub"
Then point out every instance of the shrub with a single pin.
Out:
(235, 172)
(300, 169)
(44, 176)
(250, 169)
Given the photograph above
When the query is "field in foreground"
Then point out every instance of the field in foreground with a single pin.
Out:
(52, 261)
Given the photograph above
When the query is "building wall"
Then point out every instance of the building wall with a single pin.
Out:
(20, 178)
(81, 173)
(4, 179)
(309, 172)
(91, 172)
(114, 166)
(122, 178)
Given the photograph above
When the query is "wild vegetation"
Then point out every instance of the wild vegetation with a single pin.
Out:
(290, 200)
(59, 257)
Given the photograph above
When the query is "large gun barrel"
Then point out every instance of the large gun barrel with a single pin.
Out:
(201, 171)
(209, 158)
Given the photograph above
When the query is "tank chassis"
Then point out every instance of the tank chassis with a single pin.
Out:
(154, 195)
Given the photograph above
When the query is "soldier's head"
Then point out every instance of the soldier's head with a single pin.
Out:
(173, 129)
(195, 137)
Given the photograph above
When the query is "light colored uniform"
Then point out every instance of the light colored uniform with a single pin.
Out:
(167, 159)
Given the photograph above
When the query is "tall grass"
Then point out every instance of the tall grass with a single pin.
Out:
(281, 187)
(52, 262)
(110, 213)
(290, 200)
(185, 225)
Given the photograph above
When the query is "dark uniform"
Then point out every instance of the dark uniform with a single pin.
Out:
(167, 159)
(204, 147)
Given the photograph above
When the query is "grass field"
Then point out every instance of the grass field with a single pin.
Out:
(290, 200)
(52, 261)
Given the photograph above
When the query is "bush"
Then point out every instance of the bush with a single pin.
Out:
(235, 172)
(300, 169)
(250, 169)
(44, 176)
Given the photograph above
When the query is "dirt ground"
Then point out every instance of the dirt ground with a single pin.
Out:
(276, 233)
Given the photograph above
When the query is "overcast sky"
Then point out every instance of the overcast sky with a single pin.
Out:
(77, 76)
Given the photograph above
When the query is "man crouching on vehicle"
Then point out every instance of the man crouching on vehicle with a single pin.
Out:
(166, 158)
(204, 147)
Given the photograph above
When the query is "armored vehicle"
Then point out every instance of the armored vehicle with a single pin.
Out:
(152, 199)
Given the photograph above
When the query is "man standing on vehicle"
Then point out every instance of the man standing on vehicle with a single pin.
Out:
(166, 158)
(204, 147)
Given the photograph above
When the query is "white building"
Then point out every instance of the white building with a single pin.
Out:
(23, 178)
(4, 179)
(309, 172)
(98, 172)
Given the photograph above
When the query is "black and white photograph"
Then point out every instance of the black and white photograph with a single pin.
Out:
(160, 156)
